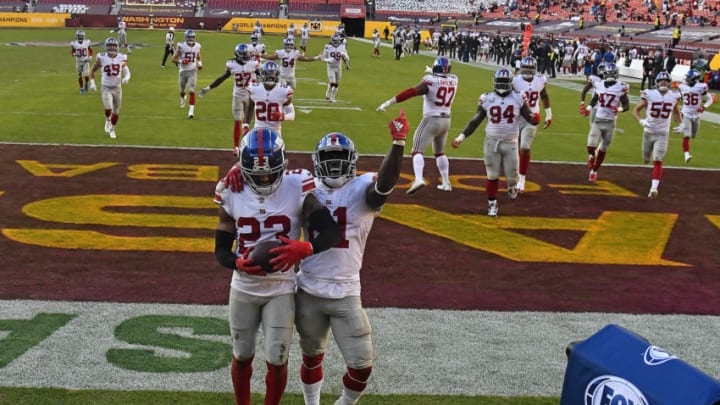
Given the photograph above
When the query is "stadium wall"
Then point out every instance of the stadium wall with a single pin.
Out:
(33, 20)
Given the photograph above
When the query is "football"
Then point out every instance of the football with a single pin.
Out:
(261, 256)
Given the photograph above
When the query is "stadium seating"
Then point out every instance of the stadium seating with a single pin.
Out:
(74, 6)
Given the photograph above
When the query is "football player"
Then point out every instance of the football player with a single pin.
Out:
(286, 58)
(328, 283)
(81, 50)
(376, 43)
(115, 72)
(187, 54)
(272, 100)
(257, 48)
(533, 86)
(332, 54)
(610, 98)
(693, 90)
(304, 37)
(503, 107)
(244, 70)
(169, 45)
(656, 125)
(438, 89)
(122, 35)
(272, 204)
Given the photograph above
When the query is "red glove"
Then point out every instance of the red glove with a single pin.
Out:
(232, 180)
(276, 116)
(399, 127)
(701, 109)
(534, 118)
(185, 61)
(289, 254)
(246, 265)
(547, 124)
(583, 110)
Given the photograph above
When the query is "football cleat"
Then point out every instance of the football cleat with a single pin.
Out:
(591, 161)
(512, 193)
(182, 102)
(688, 156)
(492, 208)
(444, 187)
(108, 126)
(592, 178)
(520, 186)
(653, 193)
(112, 134)
(417, 185)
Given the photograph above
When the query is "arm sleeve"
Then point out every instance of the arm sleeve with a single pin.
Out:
(405, 94)
(288, 112)
(329, 233)
(126, 72)
(223, 249)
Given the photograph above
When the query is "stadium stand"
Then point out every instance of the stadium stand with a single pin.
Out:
(74, 6)
(246, 8)
(179, 8)
(308, 9)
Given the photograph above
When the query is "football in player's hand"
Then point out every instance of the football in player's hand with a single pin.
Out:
(261, 256)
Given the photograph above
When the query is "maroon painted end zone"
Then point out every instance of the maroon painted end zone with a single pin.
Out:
(404, 267)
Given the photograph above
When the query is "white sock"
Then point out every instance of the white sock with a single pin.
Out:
(655, 183)
(191, 110)
(443, 165)
(418, 166)
(311, 392)
(348, 397)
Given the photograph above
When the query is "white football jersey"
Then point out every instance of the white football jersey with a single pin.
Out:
(243, 75)
(530, 89)
(122, 26)
(333, 55)
(376, 39)
(81, 50)
(269, 100)
(335, 273)
(659, 109)
(692, 98)
(286, 61)
(256, 50)
(111, 68)
(304, 33)
(262, 218)
(440, 95)
(190, 53)
(503, 115)
(609, 98)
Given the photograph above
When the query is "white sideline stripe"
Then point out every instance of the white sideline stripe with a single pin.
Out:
(309, 152)
(416, 351)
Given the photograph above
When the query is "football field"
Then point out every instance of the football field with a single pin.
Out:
(111, 293)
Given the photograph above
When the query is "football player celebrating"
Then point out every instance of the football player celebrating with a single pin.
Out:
(610, 99)
(244, 69)
(188, 55)
(286, 58)
(333, 53)
(272, 204)
(503, 107)
(656, 124)
(81, 50)
(328, 293)
(115, 73)
(257, 48)
(692, 92)
(272, 100)
(438, 89)
(533, 86)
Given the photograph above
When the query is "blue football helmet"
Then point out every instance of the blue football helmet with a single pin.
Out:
(254, 39)
(502, 82)
(262, 160)
(242, 53)
(441, 66)
(288, 44)
(111, 46)
(190, 37)
(528, 68)
(665, 78)
(692, 77)
(335, 40)
(335, 159)
(80, 35)
(610, 72)
(270, 73)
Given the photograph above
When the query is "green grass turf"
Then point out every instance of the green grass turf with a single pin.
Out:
(41, 102)
(51, 396)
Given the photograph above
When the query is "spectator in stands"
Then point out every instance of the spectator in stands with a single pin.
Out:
(169, 45)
